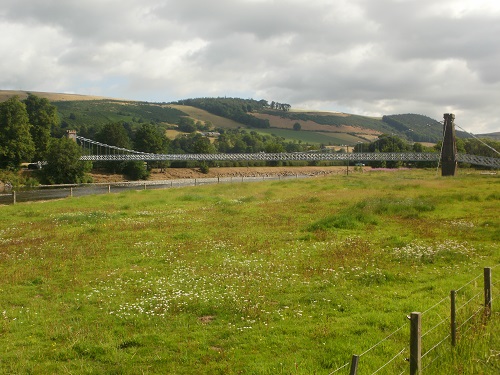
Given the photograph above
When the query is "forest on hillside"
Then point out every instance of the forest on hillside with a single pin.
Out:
(232, 108)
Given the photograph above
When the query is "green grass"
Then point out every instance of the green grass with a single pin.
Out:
(283, 277)
(78, 114)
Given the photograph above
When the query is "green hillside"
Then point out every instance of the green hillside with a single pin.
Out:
(84, 115)
(318, 127)
(88, 114)
(418, 128)
(259, 114)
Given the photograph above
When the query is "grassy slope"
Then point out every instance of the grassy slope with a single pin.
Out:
(202, 115)
(77, 114)
(6, 94)
(275, 277)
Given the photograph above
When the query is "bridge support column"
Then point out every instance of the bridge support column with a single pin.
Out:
(449, 150)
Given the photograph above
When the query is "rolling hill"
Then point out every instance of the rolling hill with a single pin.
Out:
(87, 114)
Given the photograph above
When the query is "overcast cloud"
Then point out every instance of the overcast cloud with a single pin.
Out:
(370, 57)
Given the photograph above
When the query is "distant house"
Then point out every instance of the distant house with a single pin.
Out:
(211, 134)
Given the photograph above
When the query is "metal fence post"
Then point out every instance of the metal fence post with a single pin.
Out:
(453, 320)
(415, 343)
(487, 291)
(354, 364)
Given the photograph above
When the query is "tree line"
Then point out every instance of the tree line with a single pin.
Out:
(391, 143)
(31, 132)
(237, 109)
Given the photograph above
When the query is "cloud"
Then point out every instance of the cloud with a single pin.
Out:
(361, 56)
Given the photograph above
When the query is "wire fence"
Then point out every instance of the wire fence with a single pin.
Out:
(442, 325)
(48, 192)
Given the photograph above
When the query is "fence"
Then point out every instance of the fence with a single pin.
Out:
(428, 331)
(77, 190)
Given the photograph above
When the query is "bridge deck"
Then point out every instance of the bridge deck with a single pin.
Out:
(96, 151)
(299, 156)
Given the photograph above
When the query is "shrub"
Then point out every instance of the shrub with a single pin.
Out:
(135, 170)
(204, 168)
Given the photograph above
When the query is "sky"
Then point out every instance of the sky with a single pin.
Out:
(366, 57)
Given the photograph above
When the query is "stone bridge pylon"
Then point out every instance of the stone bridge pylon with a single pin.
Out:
(449, 150)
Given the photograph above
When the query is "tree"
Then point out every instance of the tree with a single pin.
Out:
(274, 147)
(149, 139)
(114, 134)
(186, 125)
(135, 170)
(44, 121)
(297, 126)
(202, 145)
(16, 144)
(63, 163)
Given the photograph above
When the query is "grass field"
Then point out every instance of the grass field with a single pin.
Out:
(283, 277)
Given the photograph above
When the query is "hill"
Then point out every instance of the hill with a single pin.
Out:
(6, 94)
(87, 114)
(198, 114)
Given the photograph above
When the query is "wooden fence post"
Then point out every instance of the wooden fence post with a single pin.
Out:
(487, 291)
(70, 191)
(354, 365)
(109, 188)
(453, 322)
(415, 343)
(14, 197)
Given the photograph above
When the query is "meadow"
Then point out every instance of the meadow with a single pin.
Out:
(281, 277)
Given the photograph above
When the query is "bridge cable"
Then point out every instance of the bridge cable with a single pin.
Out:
(487, 145)
(442, 146)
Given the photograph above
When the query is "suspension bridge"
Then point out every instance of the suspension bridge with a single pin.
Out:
(96, 151)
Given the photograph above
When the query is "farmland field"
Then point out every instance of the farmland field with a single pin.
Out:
(283, 277)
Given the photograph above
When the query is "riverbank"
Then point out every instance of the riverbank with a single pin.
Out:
(180, 173)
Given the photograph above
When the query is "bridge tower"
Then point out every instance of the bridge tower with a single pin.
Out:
(449, 149)
(71, 134)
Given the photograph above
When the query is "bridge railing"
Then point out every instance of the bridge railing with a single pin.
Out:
(96, 151)
(295, 156)
(479, 160)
